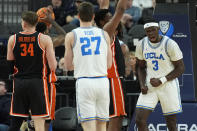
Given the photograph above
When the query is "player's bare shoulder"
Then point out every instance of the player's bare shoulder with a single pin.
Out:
(45, 40)
(12, 37)
(44, 37)
(11, 40)
(70, 38)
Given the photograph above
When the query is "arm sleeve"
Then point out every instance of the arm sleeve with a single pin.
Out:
(174, 51)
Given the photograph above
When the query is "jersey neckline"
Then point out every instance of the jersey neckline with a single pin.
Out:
(158, 45)
(27, 33)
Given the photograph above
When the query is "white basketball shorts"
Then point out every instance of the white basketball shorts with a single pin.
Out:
(92, 95)
(168, 94)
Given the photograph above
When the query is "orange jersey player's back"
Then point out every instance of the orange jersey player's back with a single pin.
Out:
(30, 57)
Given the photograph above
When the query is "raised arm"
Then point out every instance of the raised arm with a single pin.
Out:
(48, 18)
(58, 28)
(103, 4)
(111, 26)
(59, 40)
(68, 58)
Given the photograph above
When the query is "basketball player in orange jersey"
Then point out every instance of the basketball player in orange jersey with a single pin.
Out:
(117, 71)
(28, 52)
(42, 28)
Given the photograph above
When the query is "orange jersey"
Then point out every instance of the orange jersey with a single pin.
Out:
(30, 58)
(113, 72)
(118, 64)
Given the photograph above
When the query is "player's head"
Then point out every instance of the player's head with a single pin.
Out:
(102, 16)
(86, 12)
(29, 18)
(151, 28)
(42, 28)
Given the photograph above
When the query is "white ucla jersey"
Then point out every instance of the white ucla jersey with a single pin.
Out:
(158, 57)
(90, 52)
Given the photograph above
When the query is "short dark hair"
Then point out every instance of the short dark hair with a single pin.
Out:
(149, 19)
(30, 17)
(86, 11)
(100, 15)
(41, 27)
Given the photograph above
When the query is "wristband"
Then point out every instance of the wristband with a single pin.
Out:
(163, 79)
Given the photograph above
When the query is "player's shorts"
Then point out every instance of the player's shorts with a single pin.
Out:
(117, 103)
(52, 94)
(92, 95)
(30, 95)
(52, 100)
(169, 96)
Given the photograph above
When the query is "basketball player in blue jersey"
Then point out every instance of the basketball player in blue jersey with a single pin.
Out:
(28, 52)
(88, 52)
(159, 63)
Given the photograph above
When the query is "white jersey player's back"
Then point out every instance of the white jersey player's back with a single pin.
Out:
(90, 52)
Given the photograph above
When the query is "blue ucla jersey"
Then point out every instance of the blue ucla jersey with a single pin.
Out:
(158, 56)
(90, 52)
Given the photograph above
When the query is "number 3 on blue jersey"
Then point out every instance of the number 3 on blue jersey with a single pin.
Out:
(87, 43)
(156, 66)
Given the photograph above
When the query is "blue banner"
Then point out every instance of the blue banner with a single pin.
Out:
(186, 121)
(177, 27)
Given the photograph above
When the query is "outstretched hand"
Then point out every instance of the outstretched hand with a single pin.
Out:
(103, 4)
(155, 82)
(48, 17)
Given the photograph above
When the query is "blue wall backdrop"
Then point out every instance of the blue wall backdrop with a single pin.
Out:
(179, 30)
(186, 121)
(174, 21)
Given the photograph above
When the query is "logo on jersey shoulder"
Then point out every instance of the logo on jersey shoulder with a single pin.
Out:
(153, 55)
(166, 28)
